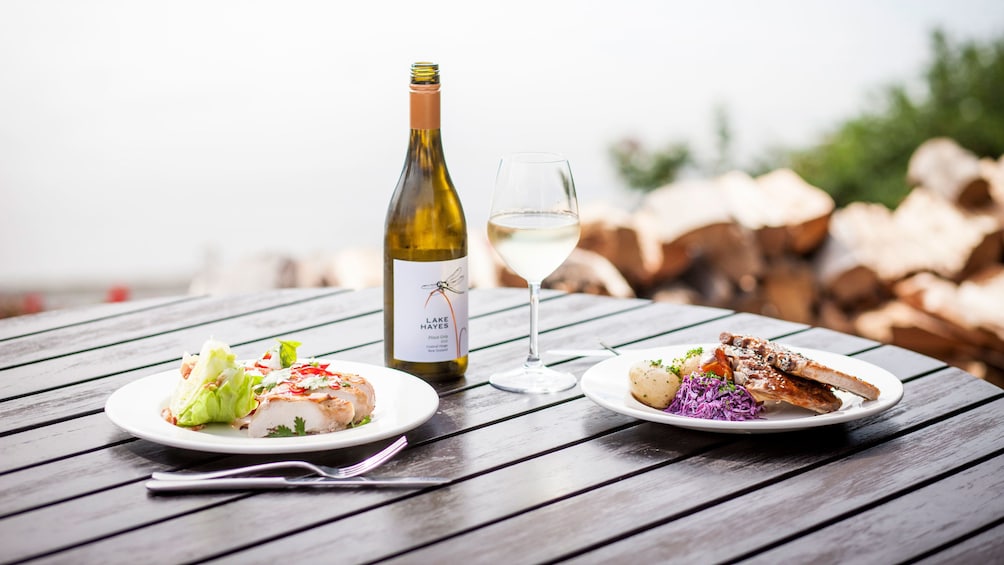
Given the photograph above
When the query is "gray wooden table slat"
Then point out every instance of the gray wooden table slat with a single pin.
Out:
(154, 348)
(974, 494)
(473, 449)
(167, 318)
(982, 547)
(537, 477)
(89, 377)
(92, 393)
(803, 503)
(241, 522)
(91, 471)
(234, 322)
(94, 432)
(677, 494)
(52, 321)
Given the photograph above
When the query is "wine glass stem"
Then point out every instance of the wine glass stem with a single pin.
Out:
(533, 359)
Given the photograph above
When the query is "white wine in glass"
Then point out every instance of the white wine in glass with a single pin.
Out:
(533, 226)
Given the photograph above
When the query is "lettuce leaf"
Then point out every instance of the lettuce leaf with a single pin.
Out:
(217, 390)
(287, 352)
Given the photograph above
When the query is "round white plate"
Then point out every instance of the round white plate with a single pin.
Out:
(606, 384)
(403, 402)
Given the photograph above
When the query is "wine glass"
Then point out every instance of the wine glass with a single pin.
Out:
(533, 226)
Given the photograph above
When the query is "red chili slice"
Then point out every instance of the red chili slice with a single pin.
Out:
(311, 370)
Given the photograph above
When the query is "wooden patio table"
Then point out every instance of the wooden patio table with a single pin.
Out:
(533, 478)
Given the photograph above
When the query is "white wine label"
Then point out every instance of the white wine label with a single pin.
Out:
(430, 310)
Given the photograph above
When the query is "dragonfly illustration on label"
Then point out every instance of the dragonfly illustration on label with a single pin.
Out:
(452, 283)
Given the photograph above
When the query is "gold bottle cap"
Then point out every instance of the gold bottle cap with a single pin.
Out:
(424, 73)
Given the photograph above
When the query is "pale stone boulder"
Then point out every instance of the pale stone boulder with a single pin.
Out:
(944, 167)
(611, 232)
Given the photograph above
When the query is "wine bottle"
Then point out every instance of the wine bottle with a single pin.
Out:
(425, 274)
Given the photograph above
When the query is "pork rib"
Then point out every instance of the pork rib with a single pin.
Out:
(765, 383)
(797, 364)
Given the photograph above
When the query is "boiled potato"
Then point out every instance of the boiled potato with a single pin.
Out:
(692, 363)
(653, 384)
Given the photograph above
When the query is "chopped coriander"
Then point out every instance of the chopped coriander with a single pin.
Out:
(299, 424)
(362, 422)
(272, 380)
(281, 431)
(311, 383)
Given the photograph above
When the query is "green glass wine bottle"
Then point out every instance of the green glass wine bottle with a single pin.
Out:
(425, 274)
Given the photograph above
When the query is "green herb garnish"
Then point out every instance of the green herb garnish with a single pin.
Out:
(677, 365)
(362, 422)
(313, 382)
(724, 385)
(287, 352)
(272, 380)
(694, 352)
(299, 425)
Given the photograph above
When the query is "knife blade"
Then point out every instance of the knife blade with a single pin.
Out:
(580, 352)
(252, 483)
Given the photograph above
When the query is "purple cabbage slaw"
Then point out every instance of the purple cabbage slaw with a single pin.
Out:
(710, 397)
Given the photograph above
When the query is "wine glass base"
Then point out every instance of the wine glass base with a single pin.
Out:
(533, 380)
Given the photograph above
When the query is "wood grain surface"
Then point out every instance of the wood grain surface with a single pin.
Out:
(534, 478)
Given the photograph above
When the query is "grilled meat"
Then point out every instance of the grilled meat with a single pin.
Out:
(325, 400)
(359, 392)
(320, 414)
(799, 365)
(767, 384)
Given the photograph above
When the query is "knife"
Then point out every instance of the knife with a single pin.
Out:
(580, 352)
(247, 483)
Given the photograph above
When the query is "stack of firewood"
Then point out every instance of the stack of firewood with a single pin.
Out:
(927, 276)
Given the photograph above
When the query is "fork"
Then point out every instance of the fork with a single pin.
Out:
(368, 464)
(609, 348)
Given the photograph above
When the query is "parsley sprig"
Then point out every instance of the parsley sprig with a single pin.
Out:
(362, 422)
(299, 429)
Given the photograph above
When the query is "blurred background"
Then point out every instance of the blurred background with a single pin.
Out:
(147, 145)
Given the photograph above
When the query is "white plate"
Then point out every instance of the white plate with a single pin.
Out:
(403, 402)
(606, 384)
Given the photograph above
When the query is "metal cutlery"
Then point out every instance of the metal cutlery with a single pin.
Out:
(252, 483)
(607, 351)
(579, 352)
(610, 349)
(322, 471)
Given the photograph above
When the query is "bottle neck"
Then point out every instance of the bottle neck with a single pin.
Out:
(425, 107)
(425, 150)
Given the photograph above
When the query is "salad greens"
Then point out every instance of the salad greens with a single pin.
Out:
(216, 390)
(287, 352)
